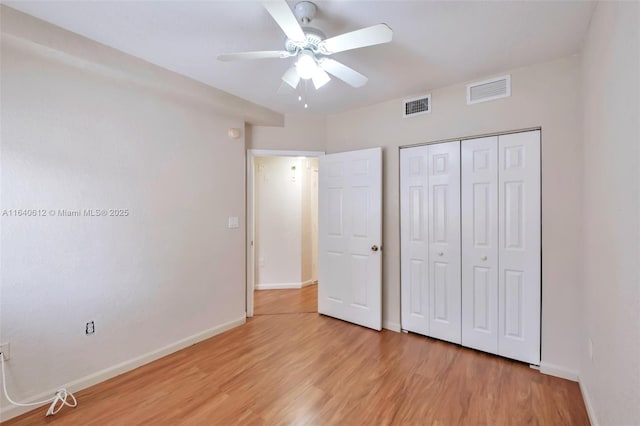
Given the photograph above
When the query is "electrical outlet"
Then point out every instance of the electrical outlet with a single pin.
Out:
(90, 328)
(4, 348)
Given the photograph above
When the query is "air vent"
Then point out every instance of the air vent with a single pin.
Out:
(489, 90)
(417, 106)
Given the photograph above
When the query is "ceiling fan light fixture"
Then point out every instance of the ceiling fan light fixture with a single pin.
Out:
(306, 65)
(291, 77)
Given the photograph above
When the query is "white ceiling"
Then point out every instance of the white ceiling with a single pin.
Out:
(435, 43)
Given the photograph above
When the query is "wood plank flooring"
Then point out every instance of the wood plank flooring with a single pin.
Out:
(307, 369)
(268, 302)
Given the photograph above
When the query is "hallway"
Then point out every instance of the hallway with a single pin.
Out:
(295, 301)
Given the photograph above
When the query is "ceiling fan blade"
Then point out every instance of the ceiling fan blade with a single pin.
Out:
(284, 17)
(343, 72)
(243, 56)
(320, 78)
(291, 77)
(376, 34)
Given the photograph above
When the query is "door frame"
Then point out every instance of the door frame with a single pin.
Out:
(250, 219)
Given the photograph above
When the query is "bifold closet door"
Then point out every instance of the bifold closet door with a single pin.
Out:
(519, 279)
(444, 241)
(480, 243)
(501, 267)
(414, 272)
(430, 233)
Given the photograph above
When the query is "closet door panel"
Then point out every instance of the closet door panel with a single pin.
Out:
(520, 268)
(479, 185)
(414, 200)
(444, 241)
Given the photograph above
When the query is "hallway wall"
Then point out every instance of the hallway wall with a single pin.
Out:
(278, 218)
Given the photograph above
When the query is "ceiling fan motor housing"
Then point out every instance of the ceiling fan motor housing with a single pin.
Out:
(305, 11)
(313, 37)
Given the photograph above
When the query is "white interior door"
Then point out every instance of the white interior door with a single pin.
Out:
(444, 241)
(430, 238)
(480, 244)
(350, 237)
(414, 228)
(519, 253)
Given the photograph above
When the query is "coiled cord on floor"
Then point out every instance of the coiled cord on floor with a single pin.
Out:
(57, 401)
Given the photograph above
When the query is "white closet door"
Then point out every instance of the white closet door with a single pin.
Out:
(444, 240)
(519, 218)
(430, 235)
(480, 244)
(414, 196)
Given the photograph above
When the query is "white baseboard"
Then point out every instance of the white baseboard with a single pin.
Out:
(557, 371)
(283, 286)
(100, 376)
(587, 403)
(308, 283)
(389, 325)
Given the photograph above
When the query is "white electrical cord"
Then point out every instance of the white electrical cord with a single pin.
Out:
(59, 399)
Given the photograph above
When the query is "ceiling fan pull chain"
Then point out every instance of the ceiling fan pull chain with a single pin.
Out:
(306, 83)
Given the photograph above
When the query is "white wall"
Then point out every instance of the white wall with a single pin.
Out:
(278, 218)
(611, 251)
(546, 95)
(301, 132)
(283, 231)
(77, 134)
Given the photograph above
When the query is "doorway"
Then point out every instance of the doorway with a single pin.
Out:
(282, 232)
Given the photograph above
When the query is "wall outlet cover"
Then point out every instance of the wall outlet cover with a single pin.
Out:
(90, 328)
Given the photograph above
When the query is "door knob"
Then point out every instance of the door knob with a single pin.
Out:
(374, 247)
(483, 258)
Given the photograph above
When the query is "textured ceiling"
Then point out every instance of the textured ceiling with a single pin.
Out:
(435, 44)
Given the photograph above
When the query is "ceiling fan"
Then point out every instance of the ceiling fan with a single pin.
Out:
(311, 47)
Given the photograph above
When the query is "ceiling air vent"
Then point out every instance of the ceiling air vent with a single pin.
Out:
(417, 106)
(489, 90)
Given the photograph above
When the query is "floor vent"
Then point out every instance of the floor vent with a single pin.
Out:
(488, 90)
(417, 106)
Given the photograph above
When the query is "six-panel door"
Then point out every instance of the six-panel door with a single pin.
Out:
(350, 236)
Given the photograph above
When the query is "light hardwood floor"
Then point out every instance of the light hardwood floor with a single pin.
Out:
(269, 302)
(305, 368)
